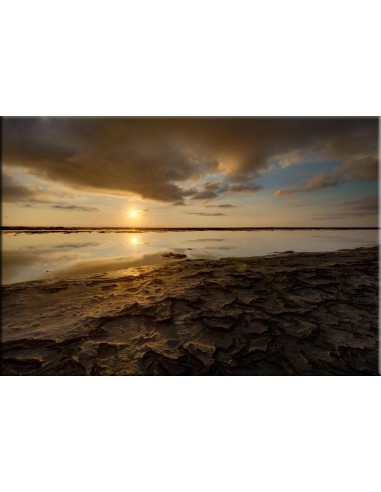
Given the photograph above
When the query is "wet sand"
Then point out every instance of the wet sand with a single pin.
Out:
(283, 314)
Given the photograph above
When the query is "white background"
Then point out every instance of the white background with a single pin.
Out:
(264, 58)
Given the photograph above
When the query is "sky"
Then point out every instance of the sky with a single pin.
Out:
(190, 172)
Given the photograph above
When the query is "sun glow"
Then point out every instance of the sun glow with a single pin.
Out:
(133, 214)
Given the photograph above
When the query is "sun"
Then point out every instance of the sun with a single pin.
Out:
(133, 214)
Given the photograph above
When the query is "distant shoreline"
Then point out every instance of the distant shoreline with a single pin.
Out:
(176, 229)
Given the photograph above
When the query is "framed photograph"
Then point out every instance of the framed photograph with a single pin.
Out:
(190, 246)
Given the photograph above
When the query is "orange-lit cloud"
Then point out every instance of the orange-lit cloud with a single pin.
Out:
(284, 192)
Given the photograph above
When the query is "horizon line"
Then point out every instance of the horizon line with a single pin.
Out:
(183, 228)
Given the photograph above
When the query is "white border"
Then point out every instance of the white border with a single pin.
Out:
(204, 57)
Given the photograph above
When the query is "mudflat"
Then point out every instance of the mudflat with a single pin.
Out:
(283, 314)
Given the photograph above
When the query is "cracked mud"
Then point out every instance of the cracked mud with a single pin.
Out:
(286, 314)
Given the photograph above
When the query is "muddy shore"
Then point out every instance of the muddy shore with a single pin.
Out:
(284, 314)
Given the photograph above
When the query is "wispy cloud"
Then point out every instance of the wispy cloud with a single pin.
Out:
(322, 181)
(205, 214)
(223, 205)
(364, 207)
(284, 192)
(76, 207)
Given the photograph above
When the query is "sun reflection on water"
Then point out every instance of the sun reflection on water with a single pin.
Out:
(134, 240)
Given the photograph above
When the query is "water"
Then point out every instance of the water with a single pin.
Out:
(30, 256)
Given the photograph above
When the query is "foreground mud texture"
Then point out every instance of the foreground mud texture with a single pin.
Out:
(286, 314)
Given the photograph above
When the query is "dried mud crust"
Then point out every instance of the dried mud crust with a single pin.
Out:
(287, 314)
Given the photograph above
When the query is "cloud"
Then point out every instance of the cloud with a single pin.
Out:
(205, 195)
(204, 214)
(104, 155)
(214, 190)
(76, 207)
(213, 186)
(294, 157)
(321, 181)
(244, 188)
(364, 207)
(329, 216)
(12, 191)
(363, 168)
(359, 168)
(222, 205)
(28, 195)
(284, 192)
(158, 158)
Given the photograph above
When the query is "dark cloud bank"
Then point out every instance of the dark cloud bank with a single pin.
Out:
(156, 157)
